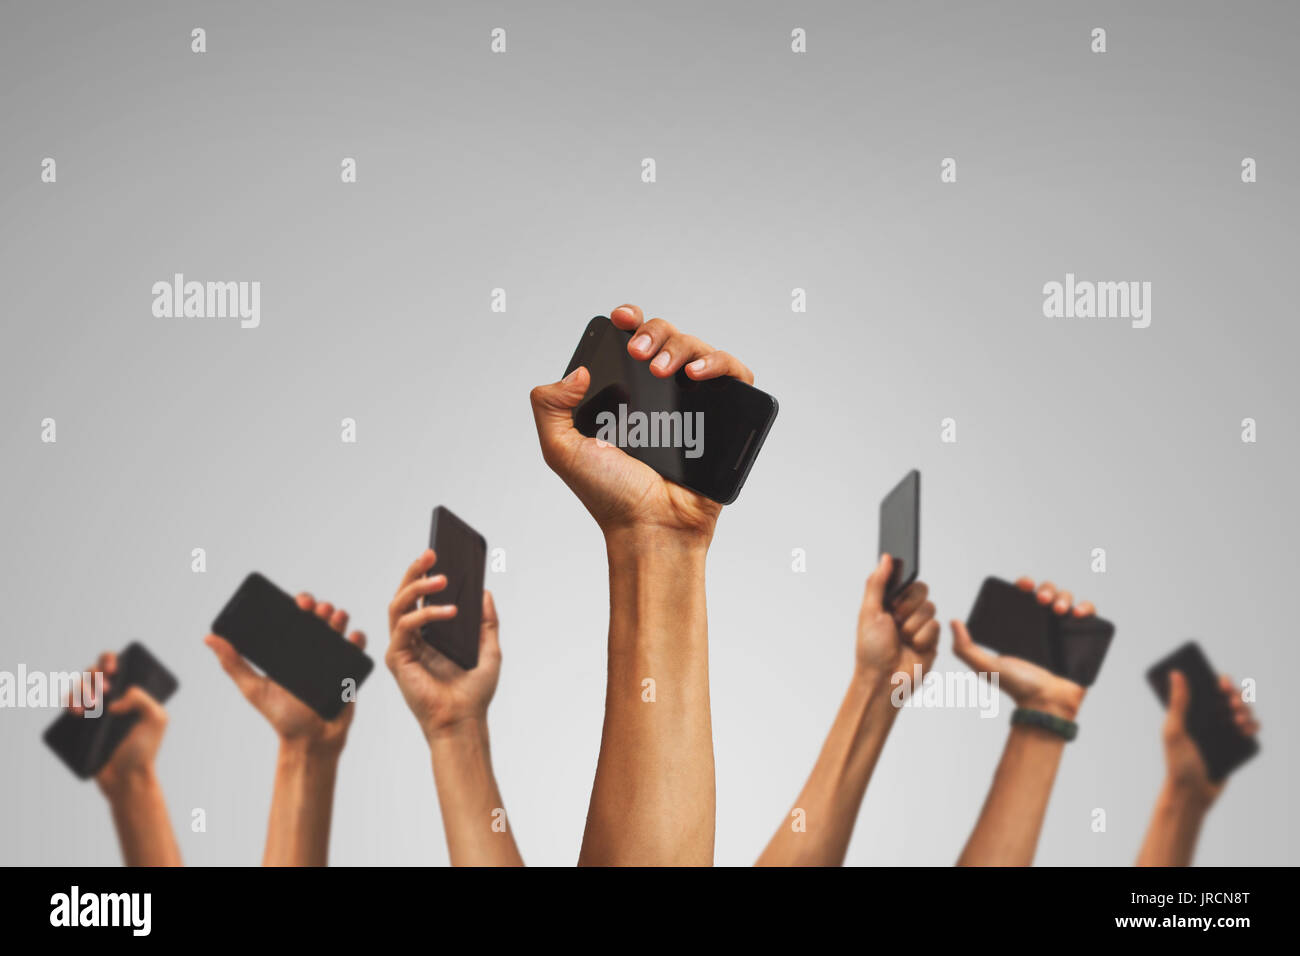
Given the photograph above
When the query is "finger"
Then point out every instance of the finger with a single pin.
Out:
(305, 601)
(1046, 592)
(409, 624)
(136, 700)
(717, 364)
(246, 679)
(410, 595)
(627, 317)
(419, 567)
(489, 637)
(553, 407)
(874, 598)
(927, 638)
(1251, 728)
(402, 602)
(1063, 601)
(1025, 583)
(676, 352)
(917, 620)
(913, 596)
(650, 338)
(1085, 609)
(339, 621)
(108, 663)
(976, 657)
(358, 638)
(323, 610)
(1180, 697)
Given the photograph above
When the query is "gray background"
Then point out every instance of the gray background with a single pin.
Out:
(522, 171)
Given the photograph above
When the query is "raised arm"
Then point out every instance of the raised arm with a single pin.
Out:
(894, 646)
(1188, 792)
(652, 801)
(1006, 833)
(128, 780)
(450, 704)
(302, 801)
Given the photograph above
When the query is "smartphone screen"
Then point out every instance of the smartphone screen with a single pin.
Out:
(462, 557)
(85, 744)
(1222, 746)
(293, 647)
(900, 533)
(1010, 621)
(704, 435)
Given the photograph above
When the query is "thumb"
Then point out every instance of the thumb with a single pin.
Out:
(1180, 697)
(553, 407)
(246, 679)
(976, 658)
(877, 580)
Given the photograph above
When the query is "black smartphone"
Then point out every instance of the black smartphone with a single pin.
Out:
(900, 533)
(1210, 724)
(462, 557)
(703, 435)
(1012, 621)
(293, 647)
(85, 744)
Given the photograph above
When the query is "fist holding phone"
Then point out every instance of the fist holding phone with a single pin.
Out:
(895, 638)
(441, 693)
(1029, 638)
(629, 366)
(298, 698)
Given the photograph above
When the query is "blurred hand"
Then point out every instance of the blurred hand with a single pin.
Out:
(895, 641)
(135, 755)
(294, 721)
(619, 491)
(1186, 769)
(1028, 684)
(441, 693)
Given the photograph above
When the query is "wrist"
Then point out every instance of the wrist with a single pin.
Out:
(303, 751)
(644, 541)
(1059, 704)
(123, 784)
(1185, 796)
(473, 728)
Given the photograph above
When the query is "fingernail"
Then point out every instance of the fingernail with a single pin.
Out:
(698, 365)
(572, 375)
(622, 308)
(661, 360)
(641, 343)
(1062, 607)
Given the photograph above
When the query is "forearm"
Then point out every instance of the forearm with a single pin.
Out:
(302, 803)
(831, 798)
(652, 802)
(144, 830)
(1006, 833)
(473, 814)
(1175, 826)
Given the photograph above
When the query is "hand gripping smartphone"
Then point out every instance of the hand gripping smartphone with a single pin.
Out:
(1011, 621)
(703, 435)
(293, 647)
(85, 744)
(462, 557)
(1210, 724)
(900, 533)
